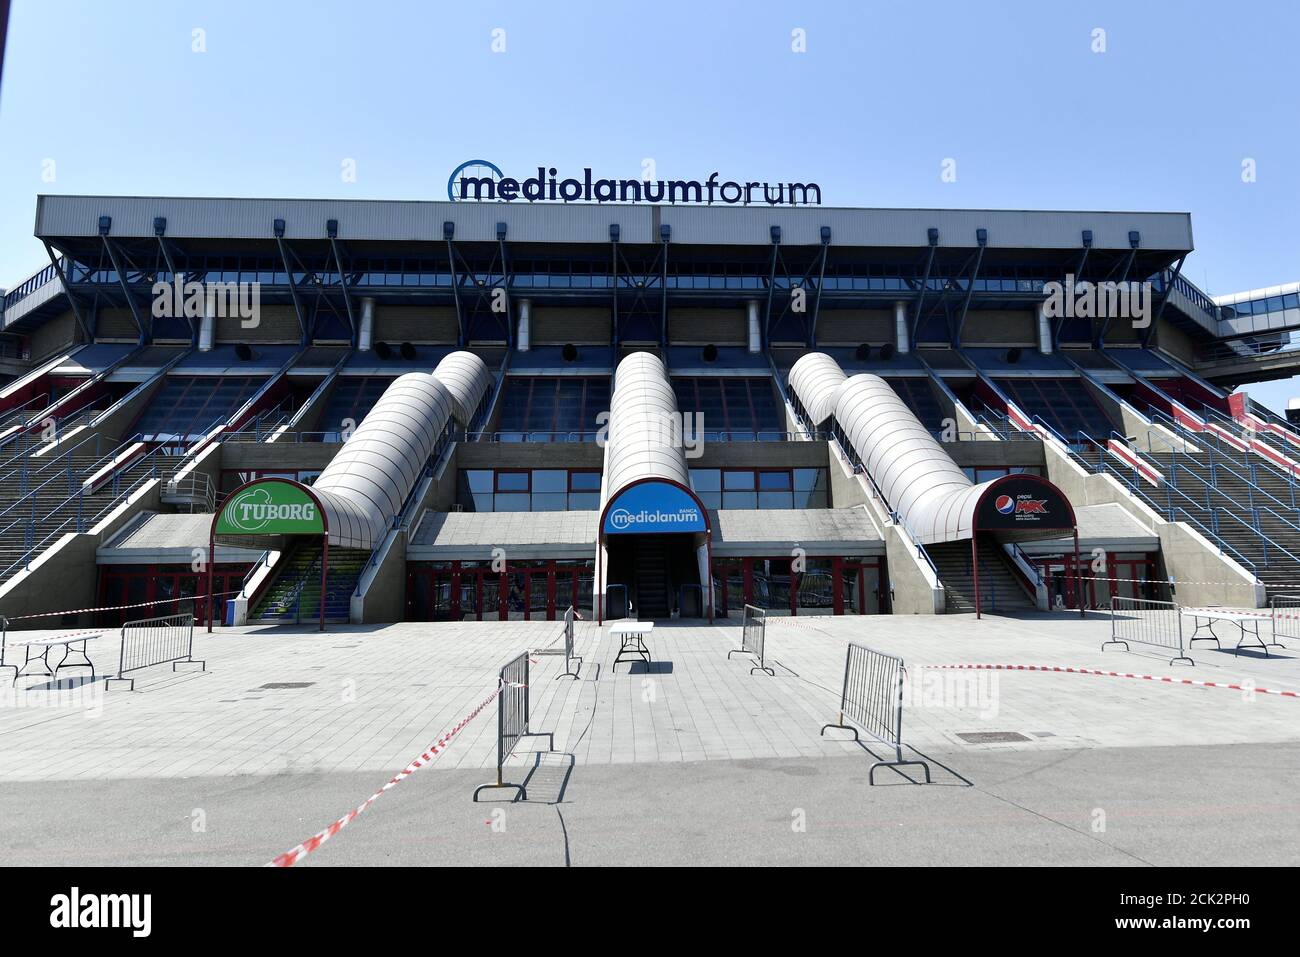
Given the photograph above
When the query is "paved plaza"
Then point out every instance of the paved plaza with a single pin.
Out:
(690, 759)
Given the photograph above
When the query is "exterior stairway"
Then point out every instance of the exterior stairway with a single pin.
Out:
(1001, 589)
(652, 599)
(294, 595)
(1245, 505)
(40, 501)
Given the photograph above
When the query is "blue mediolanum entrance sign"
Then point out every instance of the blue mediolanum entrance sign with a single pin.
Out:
(653, 507)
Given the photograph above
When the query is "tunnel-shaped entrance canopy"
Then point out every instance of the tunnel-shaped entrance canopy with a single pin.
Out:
(261, 514)
(914, 473)
(653, 506)
(1022, 507)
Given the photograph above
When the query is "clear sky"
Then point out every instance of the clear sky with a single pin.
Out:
(111, 97)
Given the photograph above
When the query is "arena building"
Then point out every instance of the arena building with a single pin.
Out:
(378, 411)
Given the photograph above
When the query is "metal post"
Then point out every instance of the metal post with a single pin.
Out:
(324, 573)
(975, 570)
(708, 560)
(1078, 578)
(212, 554)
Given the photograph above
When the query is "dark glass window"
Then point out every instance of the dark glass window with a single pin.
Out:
(512, 481)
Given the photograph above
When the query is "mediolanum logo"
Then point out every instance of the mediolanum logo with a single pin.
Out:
(621, 518)
(253, 510)
(480, 181)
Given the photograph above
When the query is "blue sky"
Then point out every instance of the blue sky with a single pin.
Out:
(114, 95)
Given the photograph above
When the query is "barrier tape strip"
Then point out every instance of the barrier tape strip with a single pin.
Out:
(18, 642)
(139, 604)
(295, 854)
(1114, 674)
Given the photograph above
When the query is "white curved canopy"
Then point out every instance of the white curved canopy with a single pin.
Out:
(365, 485)
(815, 379)
(642, 441)
(917, 477)
(467, 380)
(915, 474)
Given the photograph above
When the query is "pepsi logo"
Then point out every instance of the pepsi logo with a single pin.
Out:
(1005, 504)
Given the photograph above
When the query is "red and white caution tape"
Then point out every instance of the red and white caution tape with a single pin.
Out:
(294, 855)
(92, 632)
(139, 604)
(1116, 674)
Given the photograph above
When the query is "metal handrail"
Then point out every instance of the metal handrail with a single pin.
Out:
(894, 515)
(282, 411)
(1007, 431)
(1170, 510)
(262, 560)
(1251, 460)
(34, 548)
(25, 472)
(302, 585)
(194, 485)
(8, 413)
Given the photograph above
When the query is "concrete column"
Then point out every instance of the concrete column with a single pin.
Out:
(1044, 330)
(755, 332)
(901, 342)
(206, 325)
(524, 340)
(366, 331)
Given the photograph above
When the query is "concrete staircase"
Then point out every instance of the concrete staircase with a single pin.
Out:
(652, 598)
(1001, 589)
(295, 595)
(1259, 524)
(37, 507)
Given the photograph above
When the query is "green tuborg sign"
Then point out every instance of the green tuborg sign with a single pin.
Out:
(270, 507)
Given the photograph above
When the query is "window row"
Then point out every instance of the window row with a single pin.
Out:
(762, 488)
(529, 490)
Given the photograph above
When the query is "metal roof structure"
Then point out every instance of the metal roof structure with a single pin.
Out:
(67, 217)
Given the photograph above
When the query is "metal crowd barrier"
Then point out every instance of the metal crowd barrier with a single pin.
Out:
(1285, 613)
(4, 640)
(753, 636)
(156, 641)
(873, 700)
(569, 657)
(1147, 622)
(512, 722)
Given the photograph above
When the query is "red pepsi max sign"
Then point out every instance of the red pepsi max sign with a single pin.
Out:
(1024, 505)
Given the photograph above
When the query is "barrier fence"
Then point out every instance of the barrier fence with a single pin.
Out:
(156, 641)
(753, 636)
(1147, 622)
(4, 640)
(569, 657)
(872, 699)
(1285, 611)
(512, 722)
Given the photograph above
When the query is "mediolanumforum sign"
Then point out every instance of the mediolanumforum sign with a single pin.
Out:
(482, 181)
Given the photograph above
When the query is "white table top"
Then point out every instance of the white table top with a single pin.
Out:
(52, 642)
(1224, 615)
(632, 628)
